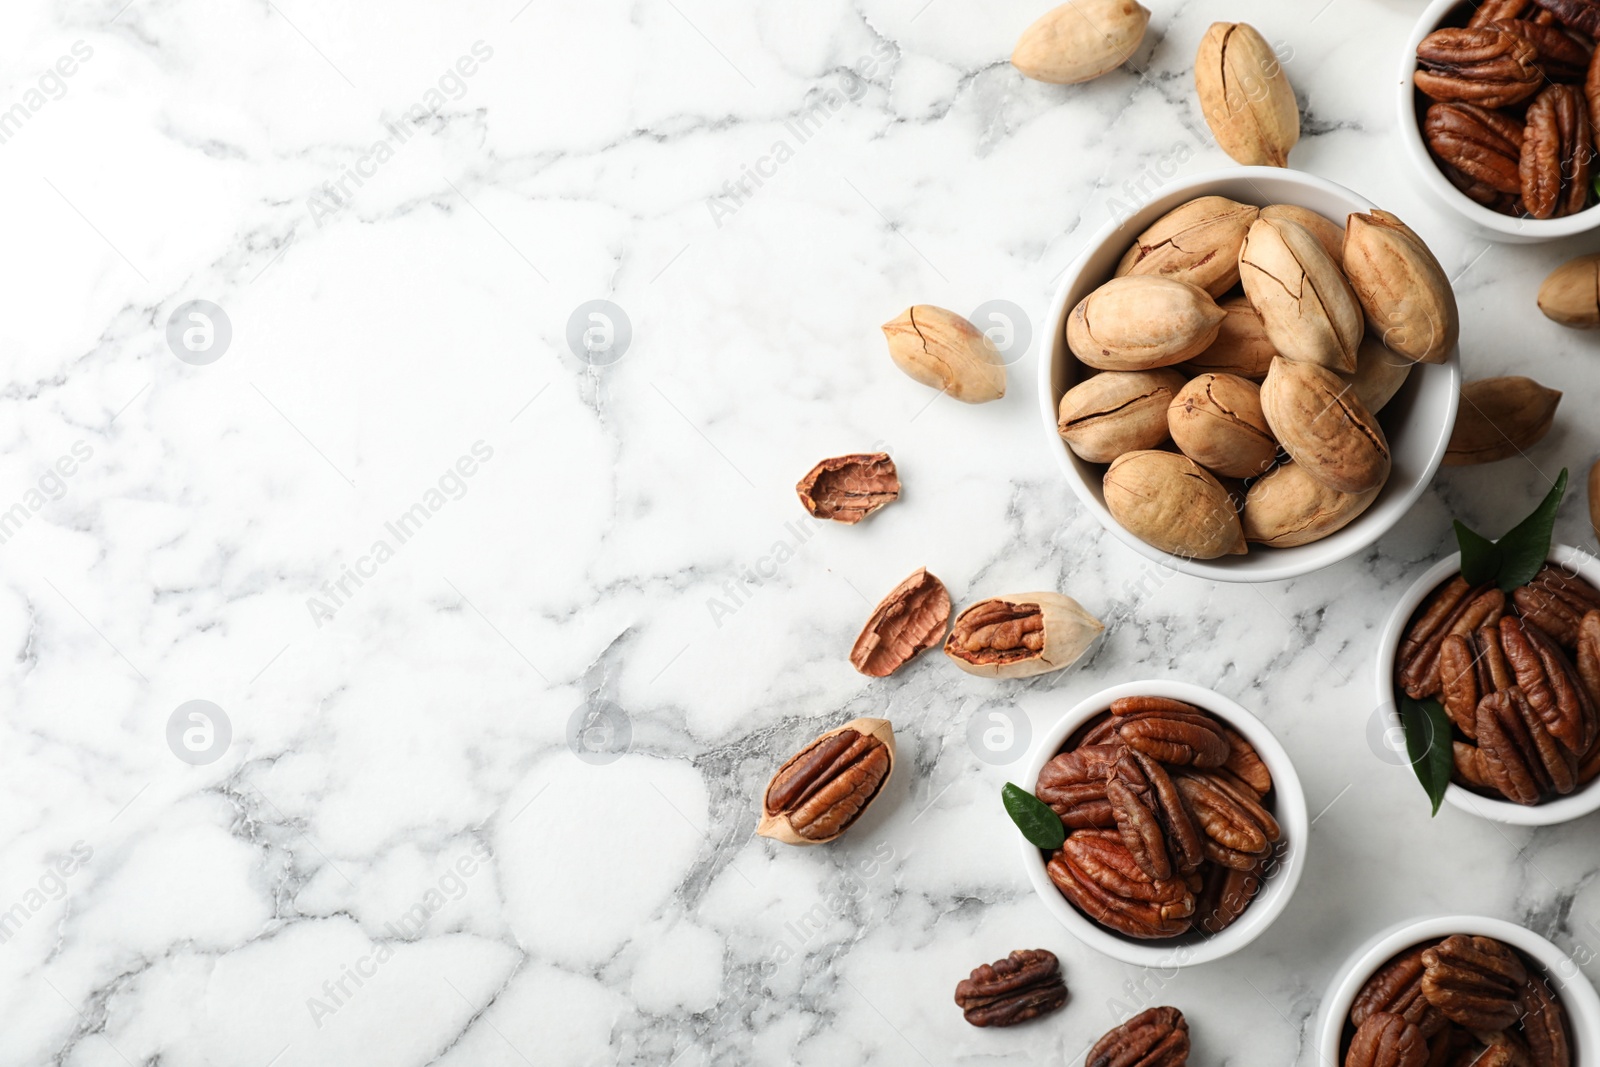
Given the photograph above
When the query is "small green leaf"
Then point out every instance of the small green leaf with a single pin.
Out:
(1429, 744)
(1038, 823)
(1526, 548)
(1480, 557)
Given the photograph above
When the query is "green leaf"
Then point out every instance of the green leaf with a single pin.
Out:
(1480, 558)
(1526, 548)
(1038, 823)
(1429, 744)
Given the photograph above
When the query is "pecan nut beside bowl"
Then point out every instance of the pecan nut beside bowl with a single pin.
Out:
(1023, 986)
(1158, 1037)
(820, 791)
(1021, 636)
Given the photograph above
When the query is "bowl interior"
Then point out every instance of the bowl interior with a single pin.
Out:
(1288, 807)
(1417, 421)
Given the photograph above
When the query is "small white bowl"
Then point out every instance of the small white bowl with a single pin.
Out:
(1567, 981)
(1563, 809)
(1417, 421)
(1289, 808)
(1490, 225)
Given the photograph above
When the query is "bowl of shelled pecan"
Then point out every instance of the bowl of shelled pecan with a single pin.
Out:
(1498, 102)
(1517, 676)
(1185, 824)
(1459, 989)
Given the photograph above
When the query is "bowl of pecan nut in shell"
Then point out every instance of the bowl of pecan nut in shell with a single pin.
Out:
(1498, 102)
(1518, 675)
(1459, 989)
(1185, 820)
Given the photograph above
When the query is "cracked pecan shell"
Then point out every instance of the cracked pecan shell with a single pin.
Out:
(820, 791)
(1094, 870)
(1074, 785)
(1580, 15)
(1170, 731)
(1544, 1024)
(1485, 66)
(1455, 608)
(1023, 986)
(911, 618)
(1557, 146)
(1397, 989)
(1239, 832)
(1483, 145)
(1476, 982)
(849, 488)
(1022, 635)
(1387, 1040)
(1158, 1037)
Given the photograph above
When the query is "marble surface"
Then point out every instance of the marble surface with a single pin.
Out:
(506, 641)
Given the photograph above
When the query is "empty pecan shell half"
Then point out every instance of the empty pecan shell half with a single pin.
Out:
(1155, 1038)
(1024, 985)
(1475, 981)
(1483, 145)
(1397, 989)
(1154, 820)
(1224, 895)
(1094, 870)
(1170, 731)
(1239, 832)
(1580, 15)
(1557, 146)
(849, 488)
(1074, 785)
(911, 618)
(822, 789)
(1455, 608)
(1387, 1040)
(1544, 1024)
(1485, 66)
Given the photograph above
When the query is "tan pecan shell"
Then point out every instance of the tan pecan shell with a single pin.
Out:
(1239, 832)
(849, 488)
(822, 789)
(1397, 988)
(1170, 731)
(1475, 981)
(1557, 147)
(1483, 145)
(1094, 870)
(1485, 66)
(1580, 15)
(1387, 1040)
(1519, 755)
(1224, 895)
(1074, 785)
(1455, 607)
(1158, 1037)
(1024, 985)
(1544, 1024)
(911, 618)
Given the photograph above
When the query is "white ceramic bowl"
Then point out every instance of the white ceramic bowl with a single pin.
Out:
(1417, 421)
(1288, 806)
(1563, 809)
(1490, 225)
(1568, 982)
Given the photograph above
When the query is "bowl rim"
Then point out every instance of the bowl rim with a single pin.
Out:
(1283, 563)
(1432, 177)
(1550, 813)
(1577, 994)
(1289, 809)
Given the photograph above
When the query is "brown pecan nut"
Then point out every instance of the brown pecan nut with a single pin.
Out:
(1458, 682)
(1550, 683)
(1556, 602)
(1456, 608)
(1580, 15)
(911, 618)
(1470, 770)
(1588, 655)
(1239, 832)
(1387, 1040)
(1170, 731)
(1591, 85)
(1475, 981)
(822, 789)
(1022, 635)
(849, 488)
(1498, 1050)
(1557, 147)
(1245, 763)
(1397, 988)
(1485, 66)
(1561, 56)
(1224, 895)
(1155, 824)
(1491, 11)
(1483, 145)
(1074, 785)
(1024, 985)
(1094, 870)
(1544, 1024)
(1519, 755)
(1155, 1038)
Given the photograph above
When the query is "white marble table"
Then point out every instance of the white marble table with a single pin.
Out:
(399, 534)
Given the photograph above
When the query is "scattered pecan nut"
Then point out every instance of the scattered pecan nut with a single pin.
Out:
(911, 618)
(1520, 756)
(849, 488)
(1095, 871)
(1485, 66)
(1397, 989)
(1239, 832)
(1155, 1038)
(1455, 608)
(1170, 731)
(1074, 785)
(1387, 1040)
(1483, 145)
(1475, 981)
(1023, 986)
(1557, 146)
(1544, 1024)
(1580, 15)
(822, 789)
(1224, 895)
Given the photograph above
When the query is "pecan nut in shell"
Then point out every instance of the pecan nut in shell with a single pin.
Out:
(1021, 636)
(911, 618)
(1023, 986)
(1158, 1037)
(820, 791)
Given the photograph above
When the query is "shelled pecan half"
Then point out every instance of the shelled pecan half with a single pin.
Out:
(1023, 986)
(1557, 147)
(1239, 832)
(1544, 1024)
(1224, 895)
(1170, 731)
(1158, 1037)
(1074, 785)
(1095, 871)
(1387, 1040)
(824, 788)
(1245, 763)
(1456, 608)
(1475, 981)
(1483, 145)
(1580, 15)
(1397, 989)
(1556, 601)
(1153, 818)
(1550, 683)
(1485, 66)
(1518, 753)
(1561, 56)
